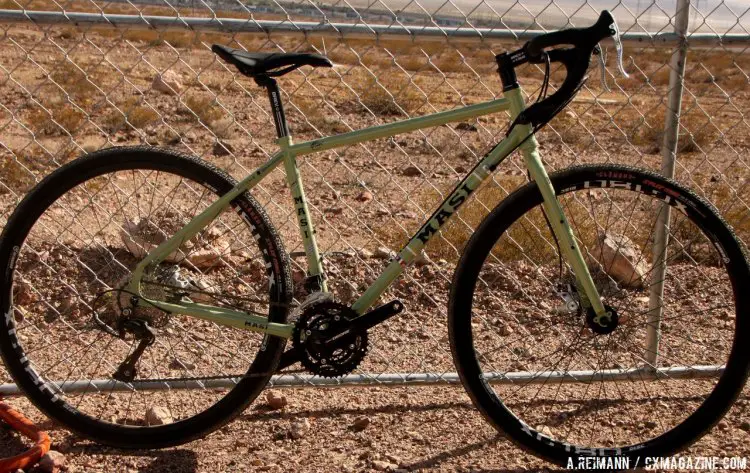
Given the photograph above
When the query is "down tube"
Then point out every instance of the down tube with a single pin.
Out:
(447, 209)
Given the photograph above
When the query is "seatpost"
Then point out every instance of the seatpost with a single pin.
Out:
(277, 108)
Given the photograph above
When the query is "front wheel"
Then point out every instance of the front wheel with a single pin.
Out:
(69, 325)
(541, 368)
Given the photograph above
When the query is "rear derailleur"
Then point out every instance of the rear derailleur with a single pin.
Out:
(141, 331)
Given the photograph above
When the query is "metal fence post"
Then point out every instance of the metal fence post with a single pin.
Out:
(669, 156)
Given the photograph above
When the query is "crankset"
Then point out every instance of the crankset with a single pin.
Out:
(330, 340)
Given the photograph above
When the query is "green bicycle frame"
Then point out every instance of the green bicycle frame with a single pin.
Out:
(520, 136)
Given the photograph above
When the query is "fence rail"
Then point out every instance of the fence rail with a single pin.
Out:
(71, 91)
(336, 30)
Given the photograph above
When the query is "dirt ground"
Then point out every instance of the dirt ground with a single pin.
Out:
(66, 92)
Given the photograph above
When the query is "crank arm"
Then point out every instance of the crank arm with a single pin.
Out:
(370, 319)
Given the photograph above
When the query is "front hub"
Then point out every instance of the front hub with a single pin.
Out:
(603, 324)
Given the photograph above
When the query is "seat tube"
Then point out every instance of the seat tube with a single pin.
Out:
(558, 221)
(316, 280)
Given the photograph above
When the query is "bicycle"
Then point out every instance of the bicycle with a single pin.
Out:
(109, 240)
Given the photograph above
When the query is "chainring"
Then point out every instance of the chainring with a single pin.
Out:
(316, 325)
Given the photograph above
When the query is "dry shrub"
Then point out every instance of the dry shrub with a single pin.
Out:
(412, 62)
(696, 132)
(660, 76)
(450, 61)
(343, 55)
(223, 128)
(728, 192)
(59, 119)
(179, 39)
(567, 125)
(131, 113)
(16, 175)
(316, 115)
(205, 108)
(76, 83)
(735, 82)
(22, 168)
(68, 33)
(452, 238)
(391, 96)
(144, 36)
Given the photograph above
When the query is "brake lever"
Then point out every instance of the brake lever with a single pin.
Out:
(619, 49)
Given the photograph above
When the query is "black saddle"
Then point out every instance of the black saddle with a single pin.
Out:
(269, 64)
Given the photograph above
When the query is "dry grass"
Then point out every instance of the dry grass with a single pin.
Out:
(75, 81)
(16, 175)
(57, 120)
(391, 96)
(696, 133)
(452, 238)
(131, 113)
(22, 168)
(204, 108)
(315, 115)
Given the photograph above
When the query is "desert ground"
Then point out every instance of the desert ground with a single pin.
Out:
(68, 92)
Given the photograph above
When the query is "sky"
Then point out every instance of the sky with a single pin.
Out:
(719, 15)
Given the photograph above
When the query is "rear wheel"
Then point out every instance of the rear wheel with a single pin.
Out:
(562, 386)
(69, 249)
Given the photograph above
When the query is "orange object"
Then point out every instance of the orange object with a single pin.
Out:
(27, 428)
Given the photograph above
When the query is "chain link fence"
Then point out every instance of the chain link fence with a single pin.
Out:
(80, 76)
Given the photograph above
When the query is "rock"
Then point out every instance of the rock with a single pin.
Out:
(52, 462)
(206, 258)
(466, 126)
(723, 425)
(364, 196)
(204, 291)
(299, 428)
(168, 82)
(412, 171)
(158, 416)
(504, 330)
(364, 253)
(177, 364)
(222, 148)
(142, 237)
(275, 400)
(745, 426)
(407, 214)
(422, 259)
(381, 465)
(619, 257)
(92, 143)
(393, 458)
(68, 306)
(544, 430)
(383, 253)
(360, 423)
(298, 277)
(23, 293)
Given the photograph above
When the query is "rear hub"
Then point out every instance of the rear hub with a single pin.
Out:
(604, 324)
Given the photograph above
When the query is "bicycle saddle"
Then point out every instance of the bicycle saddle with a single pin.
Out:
(270, 64)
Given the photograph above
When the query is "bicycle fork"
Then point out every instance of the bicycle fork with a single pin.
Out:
(560, 226)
